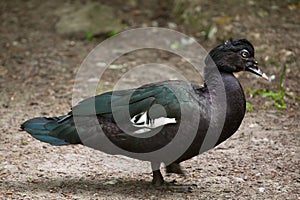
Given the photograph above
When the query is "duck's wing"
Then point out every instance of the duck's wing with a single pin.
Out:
(169, 95)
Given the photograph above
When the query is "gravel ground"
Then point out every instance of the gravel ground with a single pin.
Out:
(37, 71)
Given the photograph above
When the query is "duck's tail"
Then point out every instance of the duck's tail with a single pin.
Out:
(52, 130)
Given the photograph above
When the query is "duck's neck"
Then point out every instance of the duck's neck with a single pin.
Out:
(236, 105)
(235, 97)
(225, 82)
(233, 100)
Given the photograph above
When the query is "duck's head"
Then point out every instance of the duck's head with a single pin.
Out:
(235, 56)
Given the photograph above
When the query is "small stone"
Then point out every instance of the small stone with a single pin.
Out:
(116, 66)
(239, 180)
(154, 24)
(72, 43)
(112, 182)
(100, 64)
(253, 125)
(272, 77)
(172, 25)
(261, 189)
(93, 80)
(93, 18)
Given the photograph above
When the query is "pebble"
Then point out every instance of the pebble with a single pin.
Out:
(100, 64)
(15, 43)
(261, 189)
(238, 179)
(154, 24)
(172, 25)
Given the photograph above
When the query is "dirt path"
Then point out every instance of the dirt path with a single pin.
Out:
(37, 70)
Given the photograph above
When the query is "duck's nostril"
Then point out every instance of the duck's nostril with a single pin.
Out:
(250, 64)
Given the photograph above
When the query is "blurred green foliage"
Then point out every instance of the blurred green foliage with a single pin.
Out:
(249, 107)
(277, 97)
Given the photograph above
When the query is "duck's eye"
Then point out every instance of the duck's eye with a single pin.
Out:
(245, 53)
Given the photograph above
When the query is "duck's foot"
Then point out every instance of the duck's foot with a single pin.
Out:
(175, 168)
(158, 179)
(180, 188)
(159, 183)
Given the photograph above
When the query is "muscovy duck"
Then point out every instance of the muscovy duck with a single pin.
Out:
(175, 98)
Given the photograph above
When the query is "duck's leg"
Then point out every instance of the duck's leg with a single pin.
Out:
(158, 179)
(159, 183)
(175, 168)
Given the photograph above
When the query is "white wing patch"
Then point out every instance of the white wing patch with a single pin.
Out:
(144, 122)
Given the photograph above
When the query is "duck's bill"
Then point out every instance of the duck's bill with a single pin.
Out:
(257, 72)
